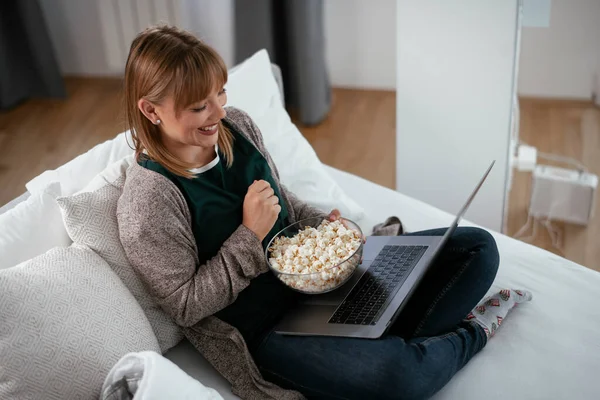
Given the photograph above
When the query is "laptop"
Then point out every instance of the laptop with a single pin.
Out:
(368, 304)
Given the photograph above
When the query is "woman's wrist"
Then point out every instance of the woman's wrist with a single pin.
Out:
(252, 231)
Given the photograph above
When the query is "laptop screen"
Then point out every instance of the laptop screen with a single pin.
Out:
(463, 210)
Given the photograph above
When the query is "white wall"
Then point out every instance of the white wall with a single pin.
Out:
(563, 59)
(455, 75)
(360, 40)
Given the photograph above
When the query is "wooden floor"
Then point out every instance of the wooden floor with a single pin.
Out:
(358, 136)
(44, 134)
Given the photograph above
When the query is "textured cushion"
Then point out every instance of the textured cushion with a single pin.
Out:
(91, 220)
(32, 228)
(65, 320)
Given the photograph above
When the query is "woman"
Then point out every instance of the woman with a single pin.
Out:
(197, 210)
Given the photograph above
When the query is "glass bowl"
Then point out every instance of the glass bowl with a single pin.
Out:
(327, 279)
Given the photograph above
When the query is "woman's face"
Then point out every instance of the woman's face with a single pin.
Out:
(195, 125)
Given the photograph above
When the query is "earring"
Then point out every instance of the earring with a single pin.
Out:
(157, 122)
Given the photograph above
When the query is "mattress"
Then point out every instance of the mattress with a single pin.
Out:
(546, 349)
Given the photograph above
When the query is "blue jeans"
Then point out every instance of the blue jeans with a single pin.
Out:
(421, 352)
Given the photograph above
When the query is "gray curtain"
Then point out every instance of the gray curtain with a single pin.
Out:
(28, 67)
(292, 32)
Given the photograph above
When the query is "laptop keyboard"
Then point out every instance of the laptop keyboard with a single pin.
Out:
(377, 287)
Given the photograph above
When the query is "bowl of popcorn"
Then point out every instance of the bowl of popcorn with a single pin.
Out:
(316, 255)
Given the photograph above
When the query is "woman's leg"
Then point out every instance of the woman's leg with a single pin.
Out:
(393, 367)
(454, 284)
(348, 368)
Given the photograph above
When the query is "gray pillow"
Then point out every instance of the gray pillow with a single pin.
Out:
(91, 220)
(66, 318)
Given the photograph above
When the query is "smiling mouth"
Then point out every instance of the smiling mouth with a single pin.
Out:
(208, 130)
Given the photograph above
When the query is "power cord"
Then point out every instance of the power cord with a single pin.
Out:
(553, 232)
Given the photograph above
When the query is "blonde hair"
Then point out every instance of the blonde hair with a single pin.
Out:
(165, 60)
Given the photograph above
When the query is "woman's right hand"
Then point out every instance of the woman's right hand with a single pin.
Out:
(261, 208)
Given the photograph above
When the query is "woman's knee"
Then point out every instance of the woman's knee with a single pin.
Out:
(483, 245)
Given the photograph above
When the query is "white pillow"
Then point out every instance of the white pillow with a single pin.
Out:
(66, 319)
(32, 228)
(77, 173)
(146, 375)
(108, 175)
(90, 217)
(252, 88)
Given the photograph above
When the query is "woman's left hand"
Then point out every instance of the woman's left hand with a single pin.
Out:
(335, 214)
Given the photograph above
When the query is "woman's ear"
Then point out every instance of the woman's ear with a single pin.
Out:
(149, 110)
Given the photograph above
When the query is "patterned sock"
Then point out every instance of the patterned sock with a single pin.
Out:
(490, 313)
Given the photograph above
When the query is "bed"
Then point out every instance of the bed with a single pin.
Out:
(548, 349)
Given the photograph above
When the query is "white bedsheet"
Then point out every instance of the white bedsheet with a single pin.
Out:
(546, 349)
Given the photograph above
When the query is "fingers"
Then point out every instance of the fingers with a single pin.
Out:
(334, 215)
(260, 186)
(273, 200)
(267, 193)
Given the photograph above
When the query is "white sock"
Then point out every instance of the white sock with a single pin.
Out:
(490, 313)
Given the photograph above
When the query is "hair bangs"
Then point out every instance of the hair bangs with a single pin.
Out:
(199, 74)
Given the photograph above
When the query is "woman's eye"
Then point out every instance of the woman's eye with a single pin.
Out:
(223, 91)
(199, 109)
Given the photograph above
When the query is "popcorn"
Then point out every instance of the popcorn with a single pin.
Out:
(317, 255)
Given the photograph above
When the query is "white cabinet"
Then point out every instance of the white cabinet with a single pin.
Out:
(456, 91)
